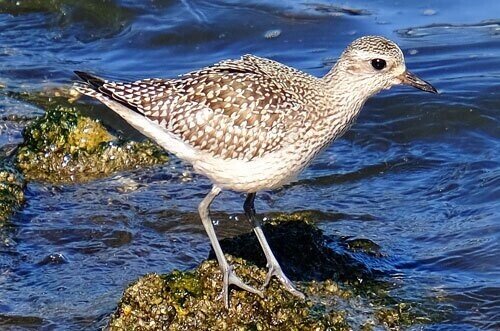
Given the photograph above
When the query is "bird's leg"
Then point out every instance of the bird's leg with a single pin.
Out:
(229, 276)
(274, 268)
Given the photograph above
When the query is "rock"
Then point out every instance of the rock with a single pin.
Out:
(189, 300)
(363, 245)
(11, 191)
(65, 146)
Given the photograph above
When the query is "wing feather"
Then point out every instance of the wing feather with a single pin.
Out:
(233, 109)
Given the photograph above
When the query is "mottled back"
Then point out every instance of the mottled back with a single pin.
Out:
(238, 109)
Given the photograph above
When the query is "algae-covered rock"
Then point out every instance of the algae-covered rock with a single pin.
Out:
(64, 146)
(190, 300)
(11, 191)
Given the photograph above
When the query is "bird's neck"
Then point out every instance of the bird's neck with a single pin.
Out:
(346, 93)
(343, 99)
(340, 81)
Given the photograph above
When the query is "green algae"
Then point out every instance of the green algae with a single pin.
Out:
(400, 314)
(11, 191)
(181, 285)
(51, 97)
(65, 146)
(306, 216)
(190, 300)
(149, 305)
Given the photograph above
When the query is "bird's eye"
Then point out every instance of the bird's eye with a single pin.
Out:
(379, 64)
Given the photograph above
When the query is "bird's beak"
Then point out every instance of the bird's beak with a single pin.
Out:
(410, 79)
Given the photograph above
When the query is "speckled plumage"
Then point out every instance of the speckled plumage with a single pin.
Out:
(234, 109)
(252, 108)
(253, 124)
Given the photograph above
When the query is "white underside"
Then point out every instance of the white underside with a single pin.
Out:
(269, 172)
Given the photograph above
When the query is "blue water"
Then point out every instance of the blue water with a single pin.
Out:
(418, 174)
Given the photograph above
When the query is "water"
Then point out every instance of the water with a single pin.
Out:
(418, 174)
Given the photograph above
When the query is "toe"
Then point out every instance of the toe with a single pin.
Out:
(287, 283)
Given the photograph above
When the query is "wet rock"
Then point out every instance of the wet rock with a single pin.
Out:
(304, 252)
(53, 259)
(11, 191)
(363, 245)
(406, 314)
(100, 18)
(334, 10)
(190, 300)
(65, 146)
(19, 322)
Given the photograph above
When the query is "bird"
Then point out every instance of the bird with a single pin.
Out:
(253, 124)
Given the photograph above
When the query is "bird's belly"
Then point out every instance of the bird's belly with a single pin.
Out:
(269, 172)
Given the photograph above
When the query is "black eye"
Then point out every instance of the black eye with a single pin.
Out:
(379, 64)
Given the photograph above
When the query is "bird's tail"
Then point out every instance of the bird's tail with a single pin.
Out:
(90, 84)
(96, 87)
(90, 79)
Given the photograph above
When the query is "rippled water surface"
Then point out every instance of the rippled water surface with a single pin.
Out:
(418, 174)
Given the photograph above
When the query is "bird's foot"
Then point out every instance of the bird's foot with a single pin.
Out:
(275, 270)
(230, 278)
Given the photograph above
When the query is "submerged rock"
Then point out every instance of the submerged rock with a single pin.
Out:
(100, 18)
(190, 300)
(64, 146)
(362, 245)
(11, 191)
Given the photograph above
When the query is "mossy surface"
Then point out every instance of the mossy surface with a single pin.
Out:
(190, 300)
(65, 146)
(11, 191)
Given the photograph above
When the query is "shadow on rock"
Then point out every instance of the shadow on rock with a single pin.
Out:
(301, 249)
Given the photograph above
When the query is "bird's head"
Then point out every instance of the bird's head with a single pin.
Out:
(375, 63)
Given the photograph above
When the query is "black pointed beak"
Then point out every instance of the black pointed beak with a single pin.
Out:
(410, 79)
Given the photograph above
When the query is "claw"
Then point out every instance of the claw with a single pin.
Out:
(275, 270)
(270, 274)
(230, 278)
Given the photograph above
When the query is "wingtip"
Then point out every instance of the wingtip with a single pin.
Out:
(83, 75)
(89, 78)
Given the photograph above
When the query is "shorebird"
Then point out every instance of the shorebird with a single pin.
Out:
(254, 124)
